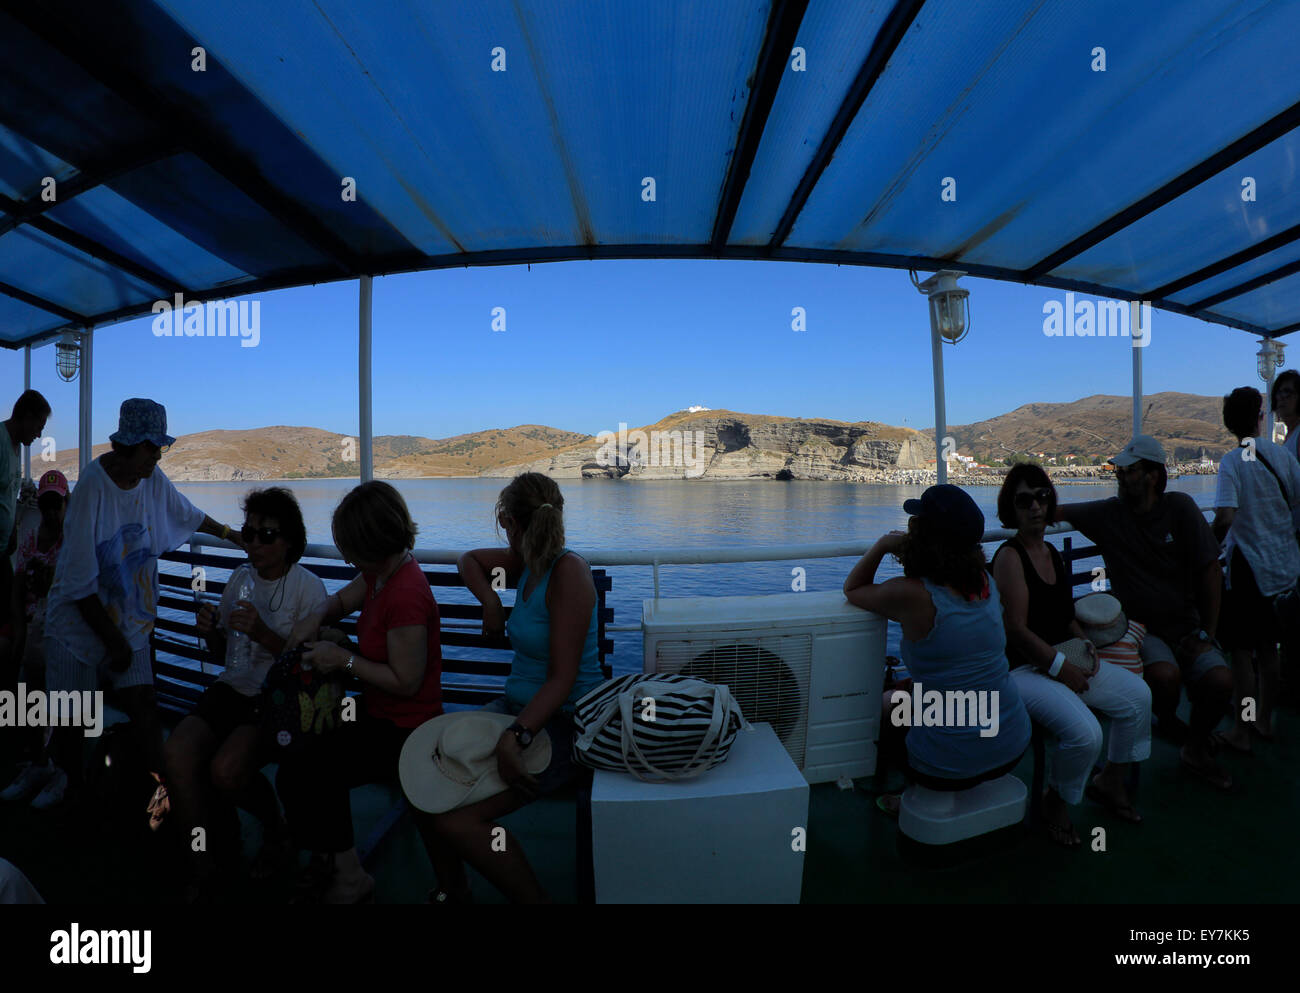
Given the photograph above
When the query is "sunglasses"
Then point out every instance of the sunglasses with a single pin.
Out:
(1026, 500)
(264, 535)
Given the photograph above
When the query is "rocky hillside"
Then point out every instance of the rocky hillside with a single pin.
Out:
(303, 453)
(722, 444)
(1184, 423)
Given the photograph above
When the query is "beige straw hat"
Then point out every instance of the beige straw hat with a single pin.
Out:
(451, 761)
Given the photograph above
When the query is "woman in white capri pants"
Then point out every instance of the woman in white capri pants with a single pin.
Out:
(1038, 610)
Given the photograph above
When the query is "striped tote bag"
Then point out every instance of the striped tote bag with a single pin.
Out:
(657, 727)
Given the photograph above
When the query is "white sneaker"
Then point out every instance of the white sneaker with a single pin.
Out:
(29, 782)
(52, 795)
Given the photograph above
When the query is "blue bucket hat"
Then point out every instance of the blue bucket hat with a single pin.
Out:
(952, 509)
(142, 420)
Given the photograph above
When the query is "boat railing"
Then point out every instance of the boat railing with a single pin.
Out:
(656, 558)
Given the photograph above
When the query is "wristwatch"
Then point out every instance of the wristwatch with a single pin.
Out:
(521, 733)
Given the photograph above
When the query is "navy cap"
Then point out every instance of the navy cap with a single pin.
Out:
(952, 510)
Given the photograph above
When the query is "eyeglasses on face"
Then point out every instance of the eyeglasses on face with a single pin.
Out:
(263, 535)
(1026, 500)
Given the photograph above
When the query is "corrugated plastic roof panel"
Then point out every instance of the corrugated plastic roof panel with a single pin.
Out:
(524, 130)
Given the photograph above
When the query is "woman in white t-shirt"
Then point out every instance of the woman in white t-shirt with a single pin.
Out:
(213, 757)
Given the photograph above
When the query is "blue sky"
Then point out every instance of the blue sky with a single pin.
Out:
(590, 344)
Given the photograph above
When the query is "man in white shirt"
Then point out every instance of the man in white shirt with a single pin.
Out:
(1257, 495)
(123, 514)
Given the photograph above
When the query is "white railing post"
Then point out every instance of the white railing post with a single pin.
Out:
(364, 381)
(940, 408)
(27, 385)
(85, 394)
(1135, 319)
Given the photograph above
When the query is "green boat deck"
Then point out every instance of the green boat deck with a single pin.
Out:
(1196, 845)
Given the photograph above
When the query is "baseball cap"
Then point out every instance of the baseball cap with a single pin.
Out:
(952, 510)
(53, 481)
(1140, 447)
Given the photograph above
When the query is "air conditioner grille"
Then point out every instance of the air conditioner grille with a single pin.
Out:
(768, 677)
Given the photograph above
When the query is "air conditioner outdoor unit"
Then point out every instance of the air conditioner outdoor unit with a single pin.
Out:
(810, 664)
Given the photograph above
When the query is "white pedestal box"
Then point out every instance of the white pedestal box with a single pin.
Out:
(934, 817)
(728, 836)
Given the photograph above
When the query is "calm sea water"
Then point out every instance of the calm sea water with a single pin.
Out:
(610, 514)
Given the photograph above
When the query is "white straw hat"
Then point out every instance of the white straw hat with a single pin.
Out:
(1102, 618)
(451, 761)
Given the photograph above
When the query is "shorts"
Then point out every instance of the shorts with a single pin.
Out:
(563, 770)
(64, 671)
(1155, 650)
(223, 708)
(1247, 620)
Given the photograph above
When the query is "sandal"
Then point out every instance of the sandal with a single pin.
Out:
(889, 804)
(442, 896)
(1220, 741)
(160, 804)
(1122, 809)
(275, 852)
(1211, 774)
(1063, 835)
(314, 880)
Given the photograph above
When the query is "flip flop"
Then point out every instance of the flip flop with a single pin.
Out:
(1207, 776)
(884, 807)
(1063, 835)
(1124, 811)
(1221, 741)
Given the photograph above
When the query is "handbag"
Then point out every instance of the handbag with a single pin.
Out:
(299, 705)
(1076, 653)
(657, 727)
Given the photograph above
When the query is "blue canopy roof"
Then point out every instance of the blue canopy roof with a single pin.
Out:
(1138, 151)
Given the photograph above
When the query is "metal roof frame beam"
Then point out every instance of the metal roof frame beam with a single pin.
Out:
(1246, 145)
(1231, 262)
(32, 300)
(1251, 284)
(882, 49)
(94, 249)
(175, 120)
(570, 253)
(782, 27)
(87, 178)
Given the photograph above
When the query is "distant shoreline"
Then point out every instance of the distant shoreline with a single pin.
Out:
(918, 477)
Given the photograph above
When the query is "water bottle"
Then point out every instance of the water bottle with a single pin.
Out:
(241, 646)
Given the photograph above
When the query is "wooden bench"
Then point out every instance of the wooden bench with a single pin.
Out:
(466, 682)
(471, 680)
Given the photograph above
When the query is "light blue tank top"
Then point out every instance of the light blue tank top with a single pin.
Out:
(529, 628)
(965, 650)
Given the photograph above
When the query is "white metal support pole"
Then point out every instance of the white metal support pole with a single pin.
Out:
(940, 408)
(364, 382)
(27, 385)
(1135, 315)
(85, 439)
